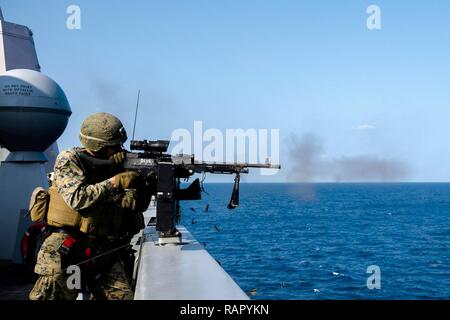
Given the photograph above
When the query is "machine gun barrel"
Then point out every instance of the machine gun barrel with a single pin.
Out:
(230, 168)
(223, 167)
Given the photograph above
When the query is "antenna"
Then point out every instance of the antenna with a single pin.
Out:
(136, 112)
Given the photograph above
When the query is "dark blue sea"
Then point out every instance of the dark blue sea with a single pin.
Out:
(316, 241)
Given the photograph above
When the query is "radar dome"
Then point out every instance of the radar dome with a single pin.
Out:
(34, 112)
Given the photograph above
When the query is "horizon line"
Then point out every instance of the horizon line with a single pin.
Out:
(333, 182)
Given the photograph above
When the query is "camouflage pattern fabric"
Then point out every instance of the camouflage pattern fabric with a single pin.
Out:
(100, 130)
(79, 193)
(52, 288)
(51, 284)
(49, 259)
(113, 284)
(70, 181)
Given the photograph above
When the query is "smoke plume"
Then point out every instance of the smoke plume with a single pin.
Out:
(311, 164)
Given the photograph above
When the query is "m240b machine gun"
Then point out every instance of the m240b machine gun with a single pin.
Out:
(154, 164)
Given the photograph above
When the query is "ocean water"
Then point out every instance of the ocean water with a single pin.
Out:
(316, 241)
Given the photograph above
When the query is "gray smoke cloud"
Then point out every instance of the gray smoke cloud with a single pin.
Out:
(311, 164)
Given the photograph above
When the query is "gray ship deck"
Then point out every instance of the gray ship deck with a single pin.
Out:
(180, 272)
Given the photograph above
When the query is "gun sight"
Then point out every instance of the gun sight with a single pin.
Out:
(156, 146)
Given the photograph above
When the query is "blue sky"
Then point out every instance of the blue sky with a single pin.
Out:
(298, 66)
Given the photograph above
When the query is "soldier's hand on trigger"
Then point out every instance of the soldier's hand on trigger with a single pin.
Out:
(118, 157)
(125, 180)
(128, 200)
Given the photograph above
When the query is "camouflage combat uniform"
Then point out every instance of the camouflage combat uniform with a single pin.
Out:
(79, 192)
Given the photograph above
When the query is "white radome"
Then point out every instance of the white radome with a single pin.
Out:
(34, 111)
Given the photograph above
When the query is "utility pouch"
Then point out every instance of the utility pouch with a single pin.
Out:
(60, 214)
(39, 203)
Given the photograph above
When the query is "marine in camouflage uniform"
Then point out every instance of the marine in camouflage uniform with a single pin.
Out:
(110, 206)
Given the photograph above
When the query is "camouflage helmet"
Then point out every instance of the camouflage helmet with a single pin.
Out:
(101, 130)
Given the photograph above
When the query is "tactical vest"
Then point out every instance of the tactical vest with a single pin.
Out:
(103, 219)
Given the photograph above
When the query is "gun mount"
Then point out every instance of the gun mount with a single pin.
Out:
(166, 171)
